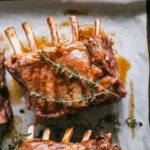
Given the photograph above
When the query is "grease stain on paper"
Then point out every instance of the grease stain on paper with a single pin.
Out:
(64, 24)
(132, 107)
(87, 31)
(43, 42)
(15, 92)
(76, 12)
(123, 67)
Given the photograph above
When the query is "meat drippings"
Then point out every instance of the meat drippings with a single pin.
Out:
(123, 67)
(42, 42)
(64, 24)
(85, 32)
(15, 92)
(132, 107)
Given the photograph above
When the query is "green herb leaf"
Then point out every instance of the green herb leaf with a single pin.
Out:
(97, 83)
(40, 53)
(62, 71)
(46, 61)
(132, 123)
(89, 82)
(56, 65)
(70, 101)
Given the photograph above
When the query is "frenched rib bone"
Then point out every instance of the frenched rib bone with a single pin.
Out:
(101, 142)
(11, 34)
(54, 33)
(30, 36)
(58, 80)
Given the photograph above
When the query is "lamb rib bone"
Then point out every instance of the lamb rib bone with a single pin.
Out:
(31, 132)
(75, 29)
(101, 142)
(67, 135)
(97, 27)
(30, 36)
(87, 135)
(46, 134)
(11, 34)
(53, 29)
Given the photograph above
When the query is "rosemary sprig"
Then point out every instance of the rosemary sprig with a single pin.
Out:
(57, 66)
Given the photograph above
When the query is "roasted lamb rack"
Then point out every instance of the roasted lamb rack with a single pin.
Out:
(60, 79)
(5, 109)
(101, 142)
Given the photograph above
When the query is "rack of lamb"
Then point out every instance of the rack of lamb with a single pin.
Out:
(60, 79)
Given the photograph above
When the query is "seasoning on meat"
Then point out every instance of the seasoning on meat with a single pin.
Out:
(60, 79)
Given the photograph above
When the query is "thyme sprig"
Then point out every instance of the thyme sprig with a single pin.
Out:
(61, 100)
(39, 96)
(74, 74)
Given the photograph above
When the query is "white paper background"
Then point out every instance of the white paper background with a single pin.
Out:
(127, 19)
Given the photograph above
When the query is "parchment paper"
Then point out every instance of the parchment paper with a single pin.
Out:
(127, 19)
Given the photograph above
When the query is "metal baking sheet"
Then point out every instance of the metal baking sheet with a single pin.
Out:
(125, 19)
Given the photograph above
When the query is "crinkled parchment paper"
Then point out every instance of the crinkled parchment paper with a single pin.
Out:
(127, 19)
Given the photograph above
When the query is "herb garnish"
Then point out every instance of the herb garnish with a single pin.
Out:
(39, 96)
(16, 141)
(72, 74)
(61, 100)
(132, 123)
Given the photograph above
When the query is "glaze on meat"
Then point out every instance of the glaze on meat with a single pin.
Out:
(58, 80)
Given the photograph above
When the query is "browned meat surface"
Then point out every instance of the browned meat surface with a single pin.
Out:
(5, 109)
(59, 80)
(102, 142)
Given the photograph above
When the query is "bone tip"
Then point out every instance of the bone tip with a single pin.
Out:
(109, 135)
(10, 31)
(25, 24)
(67, 135)
(87, 135)
(30, 131)
(97, 20)
(46, 134)
(50, 19)
(73, 17)
(70, 130)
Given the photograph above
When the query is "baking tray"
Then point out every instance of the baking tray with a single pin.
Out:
(125, 20)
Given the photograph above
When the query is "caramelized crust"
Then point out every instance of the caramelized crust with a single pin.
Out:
(92, 59)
